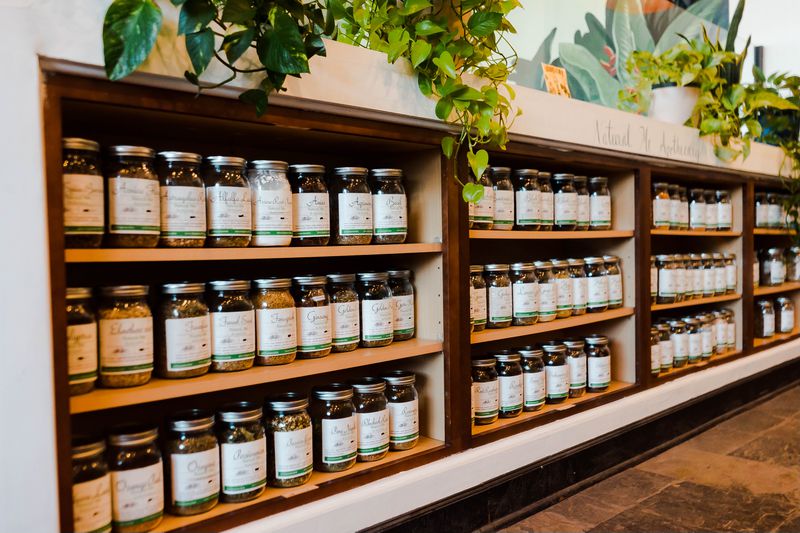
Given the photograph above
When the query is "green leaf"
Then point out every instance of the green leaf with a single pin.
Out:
(467, 94)
(315, 46)
(725, 153)
(448, 143)
(414, 6)
(237, 43)
(281, 47)
(754, 128)
(472, 192)
(483, 23)
(336, 7)
(769, 99)
(130, 29)
(478, 162)
(443, 108)
(630, 31)
(256, 97)
(595, 82)
(446, 64)
(424, 84)
(195, 15)
(420, 51)
(711, 125)
(238, 11)
(427, 27)
(200, 47)
(398, 44)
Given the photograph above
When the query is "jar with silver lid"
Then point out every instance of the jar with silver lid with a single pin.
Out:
(576, 362)
(674, 207)
(333, 417)
(485, 390)
(730, 329)
(484, 208)
(731, 274)
(695, 340)
(351, 206)
(696, 263)
(81, 340)
(697, 210)
(600, 205)
(774, 210)
(547, 291)
(183, 203)
(403, 409)
(709, 275)
(276, 321)
(565, 202)
(525, 294)
(684, 209)
(528, 203)
(577, 273)
(134, 212)
(719, 274)
(667, 347)
(556, 372)
(91, 486)
(546, 213)
(724, 211)
(706, 335)
(533, 378)
(762, 210)
(712, 211)
(614, 274)
(662, 206)
(289, 440)
(655, 352)
(345, 311)
(596, 285)
(389, 206)
(773, 267)
(403, 298)
(229, 211)
(584, 211)
(598, 363)
(312, 304)
(126, 336)
(764, 319)
(563, 288)
(84, 215)
(192, 462)
(784, 315)
(272, 202)
(477, 298)
(509, 381)
(233, 325)
(184, 331)
(311, 214)
(372, 418)
(377, 309)
(503, 199)
(667, 282)
(499, 294)
(680, 343)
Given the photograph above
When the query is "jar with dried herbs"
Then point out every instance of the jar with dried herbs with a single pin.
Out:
(377, 309)
(596, 285)
(271, 197)
(680, 343)
(577, 274)
(614, 275)
(503, 199)
(563, 288)
(694, 340)
(183, 206)
(484, 208)
(335, 431)
(528, 204)
(192, 462)
(547, 291)
(546, 208)
(243, 451)
(276, 325)
(662, 205)
(403, 297)
(533, 378)
(477, 298)
(576, 362)
(684, 208)
(311, 217)
(584, 211)
(667, 347)
(666, 280)
(126, 336)
(403, 402)
(556, 372)
(719, 274)
(712, 211)
(598, 363)
(525, 294)
(351, 208)
(485, 390)
(600, 204)
(655, 352)
(389, 206)
(134, 212)
(674, 207)
(499, 294)
(565, 202)
(764, 319)
(345, 312)
(784, 316)
(233, 325)
(289, 441)
(229, 208)
(184, 332)
(81, 341)
(372, 418)
(84, 215)
(314, 335)
(91, 486)
(509, 381)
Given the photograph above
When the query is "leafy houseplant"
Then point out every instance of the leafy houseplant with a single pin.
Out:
(779, 126)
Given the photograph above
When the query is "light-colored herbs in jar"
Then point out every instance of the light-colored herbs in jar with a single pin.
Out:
(345, 316)
(192, 462)
(372, 418)
(183, 206)
(403, 402)
(233, 328)
(184, 332)
(84, 215)
(134, 210)
(81, 341)
(290, 440)
(276, 325)
(311, 299)
(243, 451)
(126, 336)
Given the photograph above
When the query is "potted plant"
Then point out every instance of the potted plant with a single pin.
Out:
(779, 126)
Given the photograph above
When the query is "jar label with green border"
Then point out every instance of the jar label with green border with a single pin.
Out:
(133, 206)
(484, 208)
(680, 346)
(503, 208)
(346, 323)
(313, 328)
(528, 207)
(566, 208)
(666, 282)
(478, 305)
(126, 345)
(600, 207)
(724, 215)
(243, 466)
(596, 292)
(667, 354)
(137, 495)
(534, 388)
(229, 211)
(546, 207)
(183, 212)
(373, 432)
(556, 381)
(390, 214)
(403, 314)
(697, 216)
(525, 298)
(233, 335)
(91, 505)
(614, 289)
(83, 204)
(510, 393)
(711, 216)
(563, 294)
(695, 346)
(272, 212)
(487, 398)
(661, 211)
(194, 477)
(355, 213)
(655, 357)
(547, 299)
(293, 456)
(276, 332)
(500, 302)
(339, 440)
(707, 341)
(403, 421)
(82, 352)
(580, 286)
(599, 371)
(377, 319)
(577, 371)
(584, 216)
(188, 342)
(311, 215)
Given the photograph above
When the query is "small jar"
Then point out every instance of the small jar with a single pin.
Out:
(477, 298)
(662, 205)
(712, 211)
(680, 277)
(335, 429)
(774, 210)
(709, 275)
(556, 372)
(696, 263)
(653, 278)
(655, 352)
(576, 361)
(509, 381)
(183, 202)
(311, 214)
(276, 322)
(667, 347)
(695, 340)
(730, 329)
(389, 206)
(719, 274)
(563, 288)
(762, 210)
(600, 204)
(134, 217)
(598, 362)
(764, 319)
(546, 207)
(499, 294)
(184, 331)
(584, 218)
(565, 202)
(126, 336)
(724, 211)
(614, 274)
(91, 487)
(547, 291)
(345, 313)
(485, 390)
(81, 341)
(484, 208)
(533, 378)
(243, 451)
(706, 335)
(403, 409)
(680, 343)
(667, 282)
(351, 208)
(525, 294)
(577, 273)
(233, 325)
(720, 333)
(773, 267)
(372, 418)
(403, 298)
(784, 315)
(272, 203)
(229, 209)
(684, 208)
(377, 309)
(674, 207)
(697, 210)
(596, 285)
(137, 481)
(731, 274)
(784, 201)
(528, 202)
(289, 440)
(792, 260)
(192, 462)
(314, 335)
(503, 199)
(84, 215)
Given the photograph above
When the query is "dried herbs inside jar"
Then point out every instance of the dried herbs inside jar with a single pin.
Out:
(389, 206)
(403, 409)
(91, 486)
(233, 328)
(192, 457)
(334, 423)
(276, 327)
(290, 440)
(403, 297)
(372, 418)
(311, 216)
(243, 451)
(345, 317)
(313, 317)
(228, 202)
(126, 336)
(84, 217)
(134, 210)
(352, 206)
(377, 309)
(184, 333)
(81, 341)
(183, 205)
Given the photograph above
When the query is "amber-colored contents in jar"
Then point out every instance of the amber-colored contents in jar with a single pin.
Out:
(499, 295)
(84, 215)
(184, 331)
(576, 361)
(243, 450)
(345, 312)
(525, 294)
(276, 324)
(192, 462)
(126, 336)
(289, 440)
(134, 217)
(229, 210)
(372, 418)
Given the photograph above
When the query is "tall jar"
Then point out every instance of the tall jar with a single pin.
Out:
(709, 275)
(680, 343)
(333, 417)
(695, 340)
(312, 303)
(137, 478)
(600, 206)
(183, 202)
(696, 262)
(719, 274)
(576, 361)
(528, 202)
(403, 409)
(546, 214)
(345, 313)
(351, 208)
(792, 257)
(597, 285)
(614, 273)
(674, 207)
(403, 297)
(377, 309)
(84, 215)
(598, 362)
(484, 208)
(697, 210)
(661, 206)
(485, 390)
(731, 274)
(525, 294)
(730, 329)
(233, 325)
(756, 271)
(720, 333)
(784, 315)
(389, 206)
(584, 211)
(653, 278)
(81, 341)
(712, 211)
(134, 216)
(565, 202)
(126, 336)
(184, 331)
(684, 209)
(272, 203)
(548, 293)
(509, 380)
(773, 267)
(276, 322)
(503, 199)
(563, 288)
(243, 451)
(311, 213)
(229, 210)
(667, 289)
(477, 298)
(577, 273)
(556, 372)
(91, 487)
(681, 289)
(290, 440)
(774, 210)
(724, 211)
(655, 352)
(533, 378)
(764, 319)
(762, 210)
(667, 347)
(499, 294)
(372, 418)
(192, 462)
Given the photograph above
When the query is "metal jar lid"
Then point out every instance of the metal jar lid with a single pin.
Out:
(192, 420)
(361, 171)
(266, 164)
(78, 293)
(663, 328)
(559, 263)
(526, 172)
(229, 285)
(677, 323)
(689, 321)
(226, 161)
(333, 391)
(400, 377)
(574, 343)
(399, 274)
(341, 278)
(76, 143)
(287, 402)
(717, 255)
(659, 185)
(368, 385)
(563, 177)
(530, 351)
(84, 447)
(705, 257)
(595, 340)
(544, 176)
(483, 361)
(475, 269)
(307, 169)
(495, 267)
(272, 283)
(543, 265)
(775, 251)
(125, 290)
(595, 260)
(314, 281)
(553, 347)
(599, 179)
(379, 173)
(507, 356)
(576, 262)
(373, 276)
(125, 150)
(522, 267)
(729, 256)
(183, 288)
(500, 170)
(240, 412)
(695, 257)
(610, 259)
(673, 187)
(132, 435)
(581, 180)
(183, 157)
(664, 258)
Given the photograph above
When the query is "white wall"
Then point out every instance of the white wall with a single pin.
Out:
(775, 25)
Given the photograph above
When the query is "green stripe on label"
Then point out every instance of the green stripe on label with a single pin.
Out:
(285, 351)
(577, 385)
(381, 337)
(547, 313)
(403, 438)
(101, 529)
(199, 362)
(524, 221)
(113, 369)
(221, 232)
(555, 396)
(485, 414)
(501, 222)
(261, 232)
(355, 232)
(183, 234)
(312, 347)
(479, 321)
(233, 356)
(509, 408)
(196, 502)
(563, 307)
(85, 375)
(600, 223)
(381, 231)
(483, 219)
(293, 473)
(534, 403)
(597, 304)
(345, 340)
(243, 488)
(83, 229)
(560, 222)
(138, 520)
(126, 227)
(368, 451)
(311, 233)
(598, 385)
(403, 331)
(525, 315)
(499, 318)
(338, 458)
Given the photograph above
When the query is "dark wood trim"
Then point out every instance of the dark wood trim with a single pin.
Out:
(746, 265)
(643, 251)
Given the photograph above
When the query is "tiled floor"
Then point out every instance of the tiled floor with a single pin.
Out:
(742, 475)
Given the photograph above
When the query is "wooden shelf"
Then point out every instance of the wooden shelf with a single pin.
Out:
(776, 339)
(569, 403)
(318, 479)
(489, 335)
(549, 235)
(695, 302)
(140, 255)
(162, 389)
(714, 360)
(695, 233)
(785, 287)
(770, 231)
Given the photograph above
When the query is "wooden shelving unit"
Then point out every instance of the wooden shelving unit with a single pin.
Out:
(776, 339)
(769, 231)
(785, 287)
(549, 235)
(696, 302)
(713, 361)
(694, 233)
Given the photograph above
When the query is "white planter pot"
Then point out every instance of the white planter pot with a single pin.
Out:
(673, 104)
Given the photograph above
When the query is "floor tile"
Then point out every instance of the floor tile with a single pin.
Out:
(718, 439)
(779, 446)
(552, 522)
(628, 488)
(751, 422)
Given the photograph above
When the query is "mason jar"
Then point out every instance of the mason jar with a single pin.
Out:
(81, 340)
(655, 352)
(667, 347)
(584, 211)
(674, 207)
(667, 282)
(290, 440)
(697, 210)
(680, 343)
(183, 205)
(134, 210)
(377, 309)
(509, 381)
(683, 213)
(477, 298)
(598, 363)
(229, 210)
(546, 207)
(563, 288)
(565, 202)
(312, 303)
(184, 331)
(614, 274)
(83, 193)
(762, 210)
(724, 211)
(403, 299)
(600, 204)
(774, 210)
(311, 213)
(653, 278)
(372, 418)
(533, 378)
(503, 198)
(695, 340)
(125, 329)
(597, 292)
(764, 319)
(91, 486)
(345, 312)
(484, 208)
(773, 267)
(276, 322)
(233, 325)
(712, 211)
(577, 273)
(525, 294)
(719, 274)
(528, 203)
(556, 372)
(784, 315)
(192, 462)
(731, 274)
(547, 291)
(403, 409)
(351, 206)
(500, 297)
(335, 443)
(389, 206)
(485, 390)
(709, 275)
(271, 202)
(576, 361)
(662, 205)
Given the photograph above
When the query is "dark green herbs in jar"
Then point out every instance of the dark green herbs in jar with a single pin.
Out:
(243, 451)
(403, 409)
(290, 440)
(81, 340)
(192, 462)
(509, 378)
(91, 486)
(403, 297)
(372, 418)
(485, 392)
(335, 431)
(84, 216)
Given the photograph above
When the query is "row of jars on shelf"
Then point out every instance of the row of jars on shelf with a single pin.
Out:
(675, 208)
(679, 277)
(227, 202)
(522, 294)
(224, 327)
(507, 382)
(771, 210)
(774, 317)
(233, 455)
(535, 200)
(691, 340)
(775, 266)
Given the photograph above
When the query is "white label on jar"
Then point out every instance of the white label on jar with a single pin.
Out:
(697, 281)
(133, 206)
(403, 421)
(724, 216)
(755, 274)
(720, 332)
(707, 342)
(503, 208)
(346, 323)
(680, 346)
(471, 211)
(546, 207)
(478, 299)
(709, 280)
(774, 215)
(711, 216)
(390, 214)
(487, 399)
(730, 277)
(661, 211)
(126, 345)
(667, 282)
(697, 216)
(188, 342)
(769, 324)
(566, 208)
(533, 388)
(777, 271)
(276, 332)
(547, 299)
(137, 495)
(563, 294)
(674, 212)
(272, 212)
(678, 274)
(762, 215)
(653, 281)
(730, 334)
(684, 214)
(600, 210)
(597, 291)
(377, 319)
(373, 432)
(91, 505)
(183, 212)
(719, 279)
(655, 357)
(82, 353)
(313, 328)
(695, 346)
(614, 289)
(667, 353)
(500, 304)
(355, 213)
(599, 371)
(229, 212)
(510, 393)
(403, 314)
(556, 381)
(194, 477)
(310, 215)
(83, 204)
(577, 372)
(585, 210)
(339, 440)
(233, 335)
(529, 206)
(787, 322)
(579, 293)
(484, 209)
(293, 455)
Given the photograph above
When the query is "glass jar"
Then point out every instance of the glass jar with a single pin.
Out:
(584, 218)
(345, 313)
(724, 211)
(335, 431)
(289, 440)
(372, 418)
(762, 210)
(756, 271)
(477, 298)
(655, 352)
(667, 347)
(484, 208)
(563, 288)
(662, 205)
(192, 462)
(126, 336)
(694, 338)
(577, 273)
(528, 202)
(314, 335)
(91, 487)
(684, 209)
(680, 343)
(134, 217)
(503, 198)
(674, 207)
(547, 291)
(576, 361)
(243, 451)
(598, 362)
(229, 209)
(706, 335)
(696, 264)
(533, 378)
(84, 215)
(403, 298)
(784, 315)
(719, 274)
(377, 309)
(565, 203)
(389, 206)
(667, 282)
(720, 333)
(272, 203)
(712, 211)
(773, 267)
(276, 322)
(682, 279)
(81, 341)
(311, 213)
(403, 409)
(509, 381)
(790, 259)
(730, 329)
(697, 210)
(485, 390)
(134, 461)
(653, 278)
(600, 204)
(183, 203)
(351, 208)
(709, 275)
(731, 274)
(546, 218)
(764, 319)
(184, 331)
(233, 325)
(525, 294)
(784, 200)
(499, 294)
(614, 274)
(556, 372)
(774, 210)
(597, 293)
